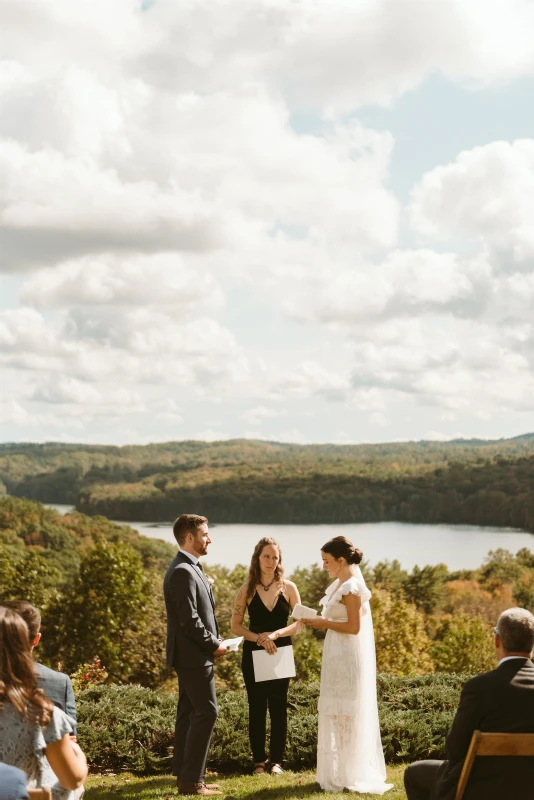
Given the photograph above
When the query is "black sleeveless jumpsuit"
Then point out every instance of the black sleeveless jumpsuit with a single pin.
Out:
(271, 694)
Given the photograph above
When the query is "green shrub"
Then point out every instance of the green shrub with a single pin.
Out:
(130, 728)
(126, 728)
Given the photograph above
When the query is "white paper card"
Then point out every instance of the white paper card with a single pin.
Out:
(232, 644)
(303, 612)
(270, 667)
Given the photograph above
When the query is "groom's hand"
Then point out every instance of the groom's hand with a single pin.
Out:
(220, 652)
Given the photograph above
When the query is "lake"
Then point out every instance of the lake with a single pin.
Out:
(457, 546)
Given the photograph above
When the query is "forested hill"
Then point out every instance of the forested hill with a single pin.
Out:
(465, 481)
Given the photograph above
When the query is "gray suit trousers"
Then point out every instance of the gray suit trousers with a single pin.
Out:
(195, 719)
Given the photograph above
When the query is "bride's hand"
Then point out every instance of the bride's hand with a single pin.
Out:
(316, 622)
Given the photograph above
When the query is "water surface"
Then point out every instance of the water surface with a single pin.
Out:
(457, 546)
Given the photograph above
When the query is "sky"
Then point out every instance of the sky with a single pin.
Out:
(295, 220)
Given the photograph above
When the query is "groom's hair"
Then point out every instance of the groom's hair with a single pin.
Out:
(516, 629)
(187, 523)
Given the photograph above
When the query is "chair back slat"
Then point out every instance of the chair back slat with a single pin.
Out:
(506, 744)
(40, 794)
(494, 744)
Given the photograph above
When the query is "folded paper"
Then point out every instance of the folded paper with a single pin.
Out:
(269, 667)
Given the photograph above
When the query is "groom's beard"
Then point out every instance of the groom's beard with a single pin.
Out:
(201, 549)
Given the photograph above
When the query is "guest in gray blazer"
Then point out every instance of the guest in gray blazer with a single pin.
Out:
(12, 783)
(56, 685)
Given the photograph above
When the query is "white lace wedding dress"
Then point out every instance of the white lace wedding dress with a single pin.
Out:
(349, 749)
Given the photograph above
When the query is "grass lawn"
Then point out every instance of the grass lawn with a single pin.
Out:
(299, 785)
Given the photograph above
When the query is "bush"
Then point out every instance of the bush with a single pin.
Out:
(130, 728)
(126, 728)
(462, 643)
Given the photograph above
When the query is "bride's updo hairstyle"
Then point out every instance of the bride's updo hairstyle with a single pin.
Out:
(340, 547)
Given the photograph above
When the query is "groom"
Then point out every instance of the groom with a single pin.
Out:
(192, 645)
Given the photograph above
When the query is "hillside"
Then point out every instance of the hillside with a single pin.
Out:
(62, 540)
(474, 481)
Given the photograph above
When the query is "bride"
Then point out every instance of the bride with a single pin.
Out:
(349, 749)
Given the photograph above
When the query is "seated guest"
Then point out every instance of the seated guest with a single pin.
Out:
(501, 701)
(12, 783)
(56, 685)
(34, 734)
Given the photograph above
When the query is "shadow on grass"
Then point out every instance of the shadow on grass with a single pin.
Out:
(273, 793)
(140, 788)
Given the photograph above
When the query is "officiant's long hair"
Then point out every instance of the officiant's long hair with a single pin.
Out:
(254, 571)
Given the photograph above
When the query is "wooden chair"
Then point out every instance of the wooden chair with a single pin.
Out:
(494, 744)
(40, 794)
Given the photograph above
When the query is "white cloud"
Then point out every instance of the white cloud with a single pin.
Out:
(487, 193)
(312, 378)
(150, 154)
(137, 280)
(337, 56)
(257, 415)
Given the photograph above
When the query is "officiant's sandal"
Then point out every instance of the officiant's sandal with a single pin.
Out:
(276, 769)
(259, 768)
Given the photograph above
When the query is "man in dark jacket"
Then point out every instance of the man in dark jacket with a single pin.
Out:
(56, 685)
(501, 701)
(193, 644)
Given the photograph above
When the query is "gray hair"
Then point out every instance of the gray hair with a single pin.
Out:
(516, 629)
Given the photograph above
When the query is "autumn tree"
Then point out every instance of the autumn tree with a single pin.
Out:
(463, 644)
(402, 644)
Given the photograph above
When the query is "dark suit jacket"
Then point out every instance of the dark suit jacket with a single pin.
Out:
(501, 701)
(58, 687)
(12, 783)
(192, 630)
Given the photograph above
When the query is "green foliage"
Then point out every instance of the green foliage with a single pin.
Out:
(463, 644)
(308, 652)
(130, 728)
(93, 617)
(425, 587)
(499, 567)
(476, 482)
(60, 540)
(126, 728)
(388, 575)
(312, 583)
(26, 576)
(401, 641)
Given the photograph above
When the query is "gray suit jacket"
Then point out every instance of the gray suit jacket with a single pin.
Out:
(192, 630)
(58, 687)
(501, 701)
(12, 783)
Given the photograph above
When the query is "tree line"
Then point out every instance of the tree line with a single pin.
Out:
(242, 481)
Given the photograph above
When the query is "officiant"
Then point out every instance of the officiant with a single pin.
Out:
(269, 599)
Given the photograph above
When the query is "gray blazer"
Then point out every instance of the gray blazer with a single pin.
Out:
(58, 687)
(192, 630)
(12, 783)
